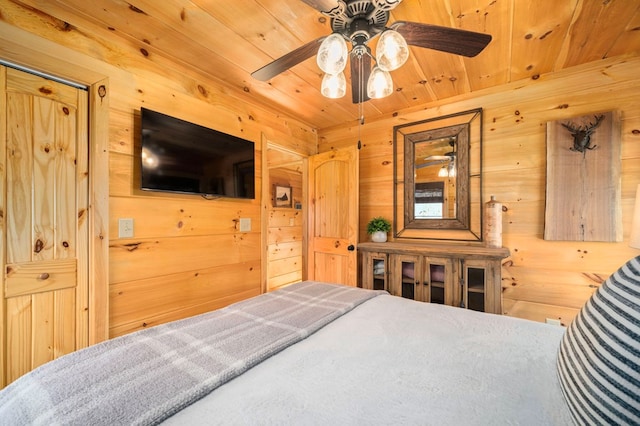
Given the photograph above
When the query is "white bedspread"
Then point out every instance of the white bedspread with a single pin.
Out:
(394, 361)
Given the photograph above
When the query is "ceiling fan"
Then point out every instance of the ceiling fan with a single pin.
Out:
(440, 159)
(359, 21)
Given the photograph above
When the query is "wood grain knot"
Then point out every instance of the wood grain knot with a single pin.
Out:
(38, 246)
(135, 9)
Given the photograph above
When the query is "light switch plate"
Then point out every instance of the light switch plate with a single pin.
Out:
(125, 228)
(245, 224)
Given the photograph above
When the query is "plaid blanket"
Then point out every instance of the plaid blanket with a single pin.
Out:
(147, 376)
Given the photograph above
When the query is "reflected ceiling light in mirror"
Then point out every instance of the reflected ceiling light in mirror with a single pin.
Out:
(452, 169)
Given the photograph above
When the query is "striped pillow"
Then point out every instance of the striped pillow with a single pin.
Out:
(599, 357)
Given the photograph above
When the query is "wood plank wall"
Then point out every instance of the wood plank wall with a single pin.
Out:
(180, 242)
(541, 279)
(187, 255)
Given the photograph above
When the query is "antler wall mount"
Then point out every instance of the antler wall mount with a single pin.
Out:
(582, 135)
(357, 22)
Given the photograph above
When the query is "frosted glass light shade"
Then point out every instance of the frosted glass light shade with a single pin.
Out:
(634, 239)
(379, 84)
(392, 51)
(443, 172)
(332, 55)
(452, 169)
(334, 86)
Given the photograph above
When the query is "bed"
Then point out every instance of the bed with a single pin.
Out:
(319, 353)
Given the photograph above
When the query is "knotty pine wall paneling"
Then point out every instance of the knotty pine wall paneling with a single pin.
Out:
(187, 255)
(541, 279)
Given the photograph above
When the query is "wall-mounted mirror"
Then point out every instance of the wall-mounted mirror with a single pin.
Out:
(438, 179)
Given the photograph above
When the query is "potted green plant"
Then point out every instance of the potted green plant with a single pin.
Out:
(378, 228)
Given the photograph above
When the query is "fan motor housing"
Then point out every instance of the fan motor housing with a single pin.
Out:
(358, 18)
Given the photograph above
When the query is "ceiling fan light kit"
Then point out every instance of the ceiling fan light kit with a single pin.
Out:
(334, 85)
(359, 21)
(332, 54)
(392, 51)
(379, 84)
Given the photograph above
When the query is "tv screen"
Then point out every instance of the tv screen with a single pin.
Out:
(178, 156)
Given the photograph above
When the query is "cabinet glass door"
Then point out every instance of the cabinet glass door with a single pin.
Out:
(438, 280)
(375, 271)
(406, 276)
(379, 281)
(436, 283)
(475, 279)
(408, 290)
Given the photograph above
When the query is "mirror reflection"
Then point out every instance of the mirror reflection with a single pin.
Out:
(435, 179)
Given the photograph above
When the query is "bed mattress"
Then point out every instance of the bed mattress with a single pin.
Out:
(397, 361)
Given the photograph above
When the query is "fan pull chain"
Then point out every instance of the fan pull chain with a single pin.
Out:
(360, 106)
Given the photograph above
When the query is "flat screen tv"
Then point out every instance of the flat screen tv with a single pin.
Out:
(183, 157)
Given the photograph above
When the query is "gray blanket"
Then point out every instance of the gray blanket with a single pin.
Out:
(145, 377)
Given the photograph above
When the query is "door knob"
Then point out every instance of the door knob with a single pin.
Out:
(351, 247)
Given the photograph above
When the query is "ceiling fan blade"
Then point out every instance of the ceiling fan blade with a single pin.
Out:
(328, 7)
(428, 164)
(287, 61)
(439, 158)
(360, 71)
(445, 39)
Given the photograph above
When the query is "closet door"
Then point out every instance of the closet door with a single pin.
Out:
(45, 238)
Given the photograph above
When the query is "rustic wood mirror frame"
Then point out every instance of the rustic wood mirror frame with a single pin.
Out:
(466, 225)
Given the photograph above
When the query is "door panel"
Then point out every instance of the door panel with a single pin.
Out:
(333, 216)
(35, 277)
(45, 284)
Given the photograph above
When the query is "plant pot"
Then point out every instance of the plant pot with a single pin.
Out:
(379, 237)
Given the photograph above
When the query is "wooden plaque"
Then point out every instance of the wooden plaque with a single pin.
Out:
(583, 179)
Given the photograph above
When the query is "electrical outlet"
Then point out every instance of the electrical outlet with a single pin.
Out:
(553, 321)
(245, 224)
(125, 228)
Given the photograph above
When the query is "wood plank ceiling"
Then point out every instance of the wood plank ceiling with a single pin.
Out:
(227, 40)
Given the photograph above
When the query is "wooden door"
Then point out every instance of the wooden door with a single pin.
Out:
(45, 236)
(333, 217)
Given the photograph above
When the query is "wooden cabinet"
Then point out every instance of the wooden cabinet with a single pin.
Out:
(456, 275)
